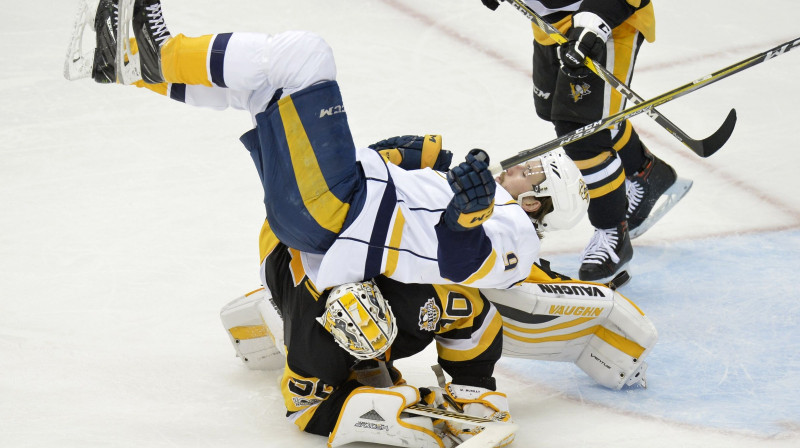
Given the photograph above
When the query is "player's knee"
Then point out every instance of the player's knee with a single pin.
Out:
(299, 59)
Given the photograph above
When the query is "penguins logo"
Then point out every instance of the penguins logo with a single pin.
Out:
(579, 91)
(429, 315)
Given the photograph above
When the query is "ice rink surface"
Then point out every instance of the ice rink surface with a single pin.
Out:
(127, 221)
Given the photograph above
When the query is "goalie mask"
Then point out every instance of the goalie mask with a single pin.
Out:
(359, 319)
(565, 186)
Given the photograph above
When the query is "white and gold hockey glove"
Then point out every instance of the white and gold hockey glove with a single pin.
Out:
(477, 402)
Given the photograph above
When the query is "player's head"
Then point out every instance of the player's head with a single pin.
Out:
(550, 189)
(360, 320)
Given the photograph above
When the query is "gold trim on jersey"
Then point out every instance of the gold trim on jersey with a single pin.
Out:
(607, 188)
(191, 67)
(485, 269)
(326, 209)
(488, 336)
(267, 241)
(593, 162)
(393, 251)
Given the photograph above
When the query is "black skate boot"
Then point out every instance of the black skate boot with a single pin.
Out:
(151, 33)
(652, 192)
(607, 254)
(106, 21)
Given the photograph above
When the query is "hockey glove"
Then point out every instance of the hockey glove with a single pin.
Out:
(586, 38)
(478, 402)
(412, 152)
(491, 4)
(474, 187)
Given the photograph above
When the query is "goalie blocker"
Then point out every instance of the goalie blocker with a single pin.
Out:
(601, 331)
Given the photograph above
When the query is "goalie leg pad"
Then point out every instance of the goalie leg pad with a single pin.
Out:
(374, 415)
(255, 329)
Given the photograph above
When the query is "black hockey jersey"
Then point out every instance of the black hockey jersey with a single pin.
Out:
(319, 375)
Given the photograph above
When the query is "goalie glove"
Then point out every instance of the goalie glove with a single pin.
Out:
(477, 402)
(413, 152)
(586, 38)
(375, 415)
(474, 188)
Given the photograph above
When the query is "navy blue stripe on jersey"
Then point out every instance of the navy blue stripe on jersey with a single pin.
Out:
(374, 259)
(461, 253)
(410, 252)
(178, 92)
(216, 61)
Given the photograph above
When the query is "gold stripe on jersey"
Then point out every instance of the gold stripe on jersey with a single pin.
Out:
(593, 162)
(448, 293)
(296, 266)
(486, 338)
(624, 42)
(303, 395)
(267, 241)
(484, 270)
(191, 67)
(326, 209)
(607, 188)
(543, 38)
(393, 252)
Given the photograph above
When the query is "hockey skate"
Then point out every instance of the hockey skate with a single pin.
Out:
(106, 24)
(151, 32)
(607, 254)
(652, 192)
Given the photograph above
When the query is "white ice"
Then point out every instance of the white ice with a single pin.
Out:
(127, 221)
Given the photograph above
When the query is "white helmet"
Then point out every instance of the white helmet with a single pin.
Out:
(564, 184)
(359, 319)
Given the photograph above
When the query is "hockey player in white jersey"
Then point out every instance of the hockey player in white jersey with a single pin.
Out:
(352, 215)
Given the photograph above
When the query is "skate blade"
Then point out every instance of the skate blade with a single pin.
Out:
(665, 202)
(78, 63)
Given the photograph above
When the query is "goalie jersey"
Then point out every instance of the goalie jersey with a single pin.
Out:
(319, 376)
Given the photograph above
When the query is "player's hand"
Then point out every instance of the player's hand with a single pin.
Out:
(474, 187)
(586, 38)
(412, 152)
(477, 402)
(491, 4)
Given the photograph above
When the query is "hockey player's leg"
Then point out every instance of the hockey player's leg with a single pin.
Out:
(609, 336)
(151, 33)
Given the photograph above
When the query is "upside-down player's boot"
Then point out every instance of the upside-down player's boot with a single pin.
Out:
(151, 33)
(106, 21)
(652, 192)
(607, 254)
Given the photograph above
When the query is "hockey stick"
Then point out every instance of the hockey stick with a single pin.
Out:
(644, 106)
(702, 148)
(493, 432)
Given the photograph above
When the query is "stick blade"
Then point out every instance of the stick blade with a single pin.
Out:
(715, 141)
